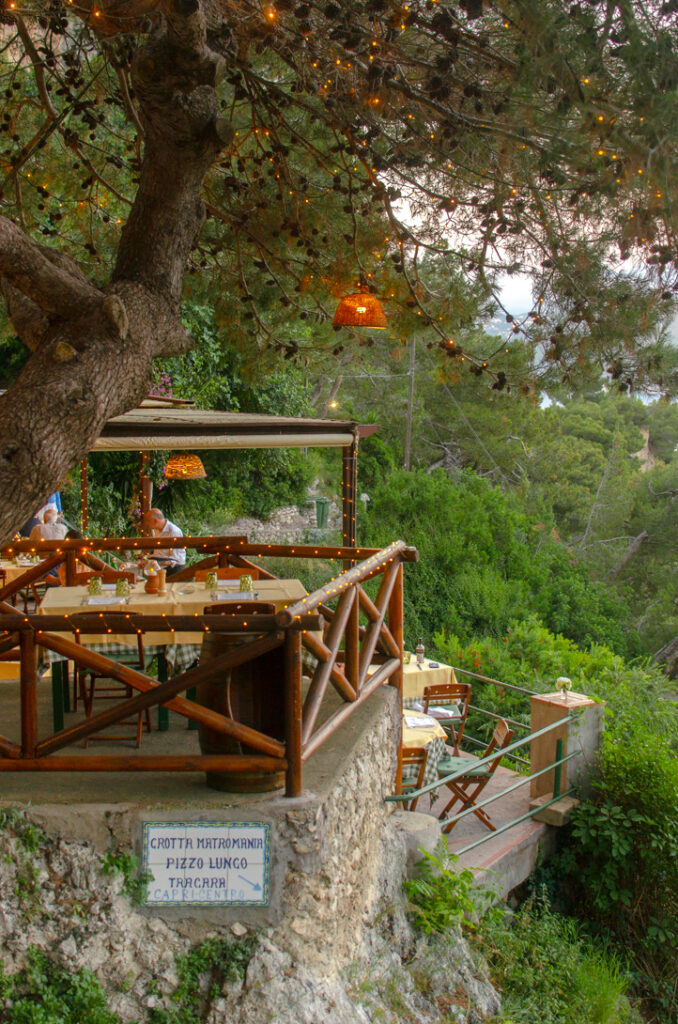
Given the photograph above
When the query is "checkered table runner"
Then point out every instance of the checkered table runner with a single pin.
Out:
(436, 752)
(179, 656)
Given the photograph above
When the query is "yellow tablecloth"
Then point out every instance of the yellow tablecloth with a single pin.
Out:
(12, 571)
(180, 599)
(415, 678)
(420, 736)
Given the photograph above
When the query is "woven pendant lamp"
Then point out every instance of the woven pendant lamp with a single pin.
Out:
(184, 467)
(360, 310)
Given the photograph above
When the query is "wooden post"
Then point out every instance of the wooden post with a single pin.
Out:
(71, 568)
(395, 624)
(58, 695)
(29, 694)
(396, 621)
(349, 487)
(163, 713)
(293, 776)
(352, 641)
(145, 483)
(84, 497)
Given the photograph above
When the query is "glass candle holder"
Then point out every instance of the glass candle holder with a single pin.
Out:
(95, 586)
(211, 581)
(246, 583)
(122, 588)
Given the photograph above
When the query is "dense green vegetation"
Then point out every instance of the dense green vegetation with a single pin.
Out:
(44, 992)
(485, 560)
(617, 866)
(547, 969)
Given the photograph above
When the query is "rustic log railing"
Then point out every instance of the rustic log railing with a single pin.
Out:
(216, 551)
(352, 658)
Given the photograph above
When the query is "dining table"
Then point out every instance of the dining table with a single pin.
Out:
(175, 652)
(417, 676)
(420, 730)
(14, 570)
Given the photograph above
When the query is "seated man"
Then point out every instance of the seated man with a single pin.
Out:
(157, 525)
(28, 526)
(49, 529)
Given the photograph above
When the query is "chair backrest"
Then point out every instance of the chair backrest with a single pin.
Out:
(241, 608)
(139, 638)
(441, 694)
(414, 759)
(227, 573)
(501, 737)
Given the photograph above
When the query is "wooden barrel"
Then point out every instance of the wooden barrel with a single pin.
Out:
(252, 694)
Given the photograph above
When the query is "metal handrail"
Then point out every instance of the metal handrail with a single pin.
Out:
(493, 714)
(483, 743)
(511, 824)
(497, 682)
(414, 794)
(516, 785)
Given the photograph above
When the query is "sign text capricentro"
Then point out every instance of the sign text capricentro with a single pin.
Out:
(207, 863)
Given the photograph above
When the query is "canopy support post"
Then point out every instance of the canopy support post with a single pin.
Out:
(145, 483)
(84, 497)
(349, 488)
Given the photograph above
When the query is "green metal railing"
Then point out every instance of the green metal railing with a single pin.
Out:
(513, 722)
(556, 766)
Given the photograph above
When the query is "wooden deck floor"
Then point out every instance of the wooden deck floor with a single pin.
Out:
(502, 861)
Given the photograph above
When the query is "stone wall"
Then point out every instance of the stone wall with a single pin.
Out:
(335, 945)
(289, 524)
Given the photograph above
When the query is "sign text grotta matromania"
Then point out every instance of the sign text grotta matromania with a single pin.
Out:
(212, 862)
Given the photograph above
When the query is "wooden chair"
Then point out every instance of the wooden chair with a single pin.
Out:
(467, 788)
(3, 583)
(227, 573)
(446, 695)
(414, 770)
(113, 690)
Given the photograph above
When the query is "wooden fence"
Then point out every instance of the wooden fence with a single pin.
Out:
(355, 642)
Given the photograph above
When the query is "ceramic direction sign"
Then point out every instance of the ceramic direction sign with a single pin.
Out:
(207, 863)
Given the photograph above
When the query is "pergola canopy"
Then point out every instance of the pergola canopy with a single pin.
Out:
(155, 426)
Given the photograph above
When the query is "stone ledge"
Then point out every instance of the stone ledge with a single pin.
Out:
(417, 831)
(558, 813)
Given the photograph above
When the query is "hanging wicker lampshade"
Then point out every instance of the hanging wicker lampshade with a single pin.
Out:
(360, 310)
(184, 467)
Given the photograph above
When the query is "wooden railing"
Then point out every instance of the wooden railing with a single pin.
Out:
(351, 657)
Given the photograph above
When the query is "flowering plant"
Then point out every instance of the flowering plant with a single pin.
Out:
(564, 685)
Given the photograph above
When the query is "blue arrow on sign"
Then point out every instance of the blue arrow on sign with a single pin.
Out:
(255, 885)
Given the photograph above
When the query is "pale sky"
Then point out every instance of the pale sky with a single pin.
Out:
(516, 293)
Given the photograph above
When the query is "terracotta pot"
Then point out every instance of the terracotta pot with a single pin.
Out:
(152, 584)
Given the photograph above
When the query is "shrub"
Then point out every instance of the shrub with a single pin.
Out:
(44, 992)
(620, 860)
(549, 973)
(439, 896)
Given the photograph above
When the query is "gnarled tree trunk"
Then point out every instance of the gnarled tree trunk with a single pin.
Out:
(92, 349)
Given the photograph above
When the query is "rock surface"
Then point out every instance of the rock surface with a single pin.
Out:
(364, 965)
(288, 525)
